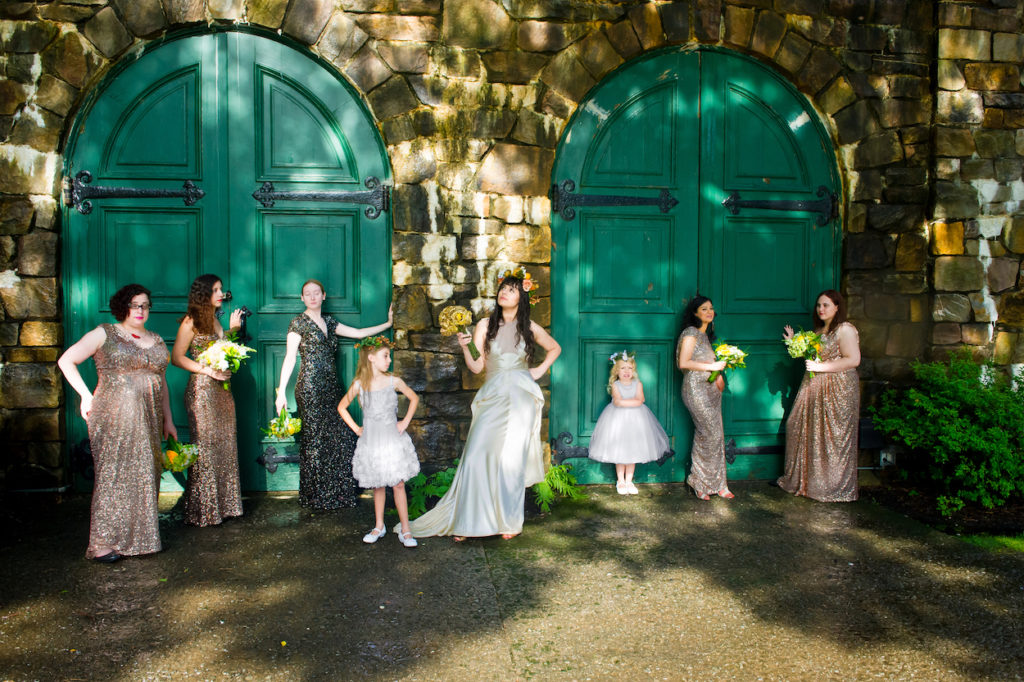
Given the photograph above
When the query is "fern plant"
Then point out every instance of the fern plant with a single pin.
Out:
(420, 489)
(558, 482)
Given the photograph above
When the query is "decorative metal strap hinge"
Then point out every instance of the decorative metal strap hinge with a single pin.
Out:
(731, 450)
(80, 192)
(270, 459)
(827, 207)
(564, 199)
(562, 449)
(378, 197)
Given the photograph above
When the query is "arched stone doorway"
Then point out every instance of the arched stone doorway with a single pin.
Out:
(650, 156)
(227, 113)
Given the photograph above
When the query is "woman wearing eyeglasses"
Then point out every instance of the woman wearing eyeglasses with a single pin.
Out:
(127, 415)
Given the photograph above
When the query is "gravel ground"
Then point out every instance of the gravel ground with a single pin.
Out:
(656, 586)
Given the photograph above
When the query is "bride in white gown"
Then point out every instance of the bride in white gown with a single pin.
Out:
(502, 456)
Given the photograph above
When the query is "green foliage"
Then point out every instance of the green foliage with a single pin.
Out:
(421, 488)
(558, 482)
(963, 425)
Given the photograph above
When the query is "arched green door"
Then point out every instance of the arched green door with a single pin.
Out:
(651, 156)
(228, 112)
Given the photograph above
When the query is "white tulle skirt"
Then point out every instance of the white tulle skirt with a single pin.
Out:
(384, 457)
(627, 435)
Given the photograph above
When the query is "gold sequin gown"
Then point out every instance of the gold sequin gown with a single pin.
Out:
(704, 401)
(821, 432)
(125, 430)
(213, 491)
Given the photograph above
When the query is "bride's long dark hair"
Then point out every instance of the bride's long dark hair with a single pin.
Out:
(523, 330)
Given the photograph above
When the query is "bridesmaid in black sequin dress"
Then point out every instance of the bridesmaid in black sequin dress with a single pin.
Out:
(326, 443)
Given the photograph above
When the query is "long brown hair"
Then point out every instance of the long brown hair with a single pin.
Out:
(523, 330)
(199, 307)
(840, 317)
(364, 370)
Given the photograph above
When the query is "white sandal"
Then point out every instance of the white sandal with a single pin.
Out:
(407, 539)
(375, 534)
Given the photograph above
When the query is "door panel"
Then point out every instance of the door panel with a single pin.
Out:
(229, 111)
(700, 124)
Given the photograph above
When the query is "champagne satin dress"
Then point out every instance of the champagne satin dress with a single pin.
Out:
(822, 429)
(704, 401)
(213, 490)
(125, 430)
(502, 456)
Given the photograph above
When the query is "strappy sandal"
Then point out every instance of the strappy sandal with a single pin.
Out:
(725, 494)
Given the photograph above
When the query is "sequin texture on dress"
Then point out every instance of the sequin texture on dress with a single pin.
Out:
(821, 432)
(704, 401)
(125, 429)
(213, 490)
(326, 443)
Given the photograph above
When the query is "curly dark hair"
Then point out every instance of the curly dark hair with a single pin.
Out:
(840, 317)
(199, 307)
(523, 330)
(122, 298)
(690, 318)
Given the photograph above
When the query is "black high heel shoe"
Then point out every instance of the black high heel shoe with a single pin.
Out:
(108, 558)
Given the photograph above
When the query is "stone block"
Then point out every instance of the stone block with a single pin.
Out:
(1008, 170)
(37, 254)
(508, 209)
(29, 37)
(951, 308)
(906, 340)
(905, 41)
(535, 129)
(1002, 352)
(422, 29)
(838, 95)
(555, 104)
(37, 128)
(483, 247)
(647, 25)
(69, 58)
(186, 11)
(990, 76)
(514, 169)
(66, 13)
(959, 273)
(949, 75)
(513, 66)
(879, 149)
(21, 68)
(887, 307)
(897, 113)
(305, 20)
(107, 33)
(707, 24)
(964, 106)
(820, 68)
(7, 253)
(793, 52)
(855, 122)
(1013, 234)
(976, 169)
(873, 335)
(31, 297)
(528, 244)
(55, 95)
(26, 385)
(8, 333)
(675, 22)
(1002, 274)
(953, 141)
(33, 425)
(392, 98)
(341, 38)
(41, 334)
(911, 253)
(418, 6)
(947, 238)
(920, 307)
(905, 283)
(867, 252)
(976, 334)
(16, 215)
(231, 10)
(546, 36)
(413, 162)
(436, 440)
(432, 372)
(953, 200)
(868, 37)
(367, 6)
(945, 333)
(405, 57)
(397, 129)
(896, 218)
(964, 44)
(623, 38)
(269, 13)
(769, 31)
(1008, 47)
(474, 225)
(994, 143)
(598, 55)
(567, 76)
(481, 24)
(1011, 309)
(412, 309)
(33, 354)
(995, 19)
(417, 208)
(367, 71)
(866, 185)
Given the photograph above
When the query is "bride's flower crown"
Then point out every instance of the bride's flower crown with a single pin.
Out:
(374, 342)
(625, 356)
(519, 272)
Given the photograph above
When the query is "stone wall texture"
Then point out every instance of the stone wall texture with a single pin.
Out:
(923, 100)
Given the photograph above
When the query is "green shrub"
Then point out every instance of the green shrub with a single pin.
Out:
(557, 482)
(963, 425)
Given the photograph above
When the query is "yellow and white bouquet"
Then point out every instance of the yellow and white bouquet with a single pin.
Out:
(179, 456)
(283, 426)
(455, 319)
(733, 356)
(224, 355)
(805, 345)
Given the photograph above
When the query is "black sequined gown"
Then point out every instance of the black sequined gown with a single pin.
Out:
(326, 443)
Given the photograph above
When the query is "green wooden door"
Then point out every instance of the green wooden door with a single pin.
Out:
(699, 126)
(228, 112)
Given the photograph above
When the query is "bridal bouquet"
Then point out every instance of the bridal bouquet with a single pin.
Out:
(224, 355)
(283, 426)
(805, 345)
(178, 456)
(733, 356)
(454, 319)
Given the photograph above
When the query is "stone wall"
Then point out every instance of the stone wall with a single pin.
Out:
(923, 100)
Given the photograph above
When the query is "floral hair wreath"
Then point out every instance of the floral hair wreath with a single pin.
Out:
(625, 356)
(519, 272)
(373, 343)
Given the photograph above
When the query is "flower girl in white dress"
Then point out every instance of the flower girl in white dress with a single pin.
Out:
(627, 432)
(384, 455)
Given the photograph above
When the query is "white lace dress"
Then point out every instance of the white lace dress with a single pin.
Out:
(383, 457)
(627, 435)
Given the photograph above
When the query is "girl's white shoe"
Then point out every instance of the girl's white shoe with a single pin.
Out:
(407, 539)
(375, 534)
(631, 489)
(622, 488)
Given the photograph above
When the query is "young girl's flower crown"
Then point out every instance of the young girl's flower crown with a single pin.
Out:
(519, 272)
(373, 342)
(625, 356)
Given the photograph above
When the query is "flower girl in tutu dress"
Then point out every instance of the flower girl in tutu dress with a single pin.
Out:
(384, 455)
(627, 432)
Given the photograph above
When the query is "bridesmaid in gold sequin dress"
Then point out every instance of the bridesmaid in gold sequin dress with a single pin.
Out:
(127, 416)
(821, 432)
(703, 399)
(213, 491)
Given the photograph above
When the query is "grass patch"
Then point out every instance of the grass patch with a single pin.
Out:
(998, 543)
